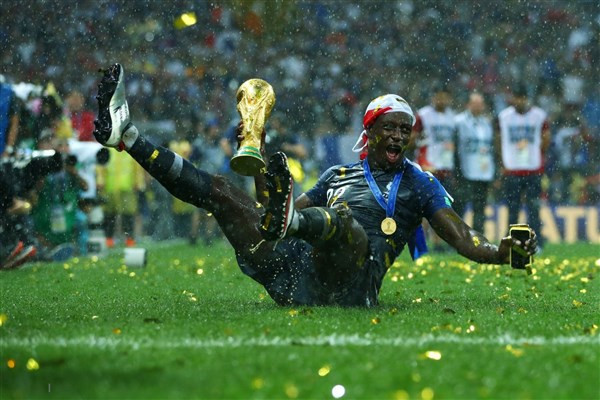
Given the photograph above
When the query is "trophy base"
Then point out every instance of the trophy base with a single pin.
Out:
(247, 162)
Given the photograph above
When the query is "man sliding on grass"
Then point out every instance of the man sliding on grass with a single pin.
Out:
(332, 246)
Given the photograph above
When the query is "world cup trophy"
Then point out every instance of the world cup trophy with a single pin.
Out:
(255, 100)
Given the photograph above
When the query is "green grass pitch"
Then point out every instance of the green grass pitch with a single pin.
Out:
(190, 325)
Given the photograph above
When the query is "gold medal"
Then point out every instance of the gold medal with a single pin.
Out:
(388, 226)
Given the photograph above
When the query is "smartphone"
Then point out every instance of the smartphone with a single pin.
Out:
(519, 259)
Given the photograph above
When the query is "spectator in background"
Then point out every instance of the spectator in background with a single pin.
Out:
(572, 153)
(339, 114)
(279, 138)
(208, 153)
(475, 138)
(82, 119)
(9, 120)
(524, 137)
(120, 182)
(55, 204)
(434, 136)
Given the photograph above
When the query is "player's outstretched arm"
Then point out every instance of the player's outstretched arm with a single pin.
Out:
(472, 244)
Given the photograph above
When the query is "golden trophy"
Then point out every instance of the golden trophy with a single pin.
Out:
(255, 100)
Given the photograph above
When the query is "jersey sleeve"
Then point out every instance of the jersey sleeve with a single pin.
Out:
(434, 196)
(318, 193)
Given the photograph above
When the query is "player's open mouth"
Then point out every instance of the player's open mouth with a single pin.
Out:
(393, 153)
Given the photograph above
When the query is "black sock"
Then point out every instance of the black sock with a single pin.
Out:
(318, 223)
(177, 175)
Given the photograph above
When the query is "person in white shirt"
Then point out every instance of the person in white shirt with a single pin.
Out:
(524, 136)
(434, 139)
(475, 138)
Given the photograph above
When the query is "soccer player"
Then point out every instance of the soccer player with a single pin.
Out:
(523, 138)
(475, 138)
(336, 244)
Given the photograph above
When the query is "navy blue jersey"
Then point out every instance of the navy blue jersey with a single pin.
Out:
(420, 195)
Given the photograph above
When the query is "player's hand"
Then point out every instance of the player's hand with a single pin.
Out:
(530, 246)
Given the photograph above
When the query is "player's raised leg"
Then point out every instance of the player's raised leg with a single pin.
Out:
(236, 212)
(340, 243)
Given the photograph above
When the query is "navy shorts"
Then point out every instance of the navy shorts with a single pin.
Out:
(290, 278)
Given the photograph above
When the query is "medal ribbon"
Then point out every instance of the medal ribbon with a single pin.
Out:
(390, 206)
(416, 243)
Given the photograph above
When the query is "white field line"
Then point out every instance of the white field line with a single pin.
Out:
(117, 342)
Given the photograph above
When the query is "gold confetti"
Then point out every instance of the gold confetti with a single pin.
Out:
(433, 355)
(199, 271)
(514, 351)
(324, 370)
(293, 313)
(132, 274)
(66, 266)
(585, 279)
(32, 365)
(11, 363)
(291, 390)
(94, 317)
(476, 241)
(261, 296)
(394, 278)
(257, 383)
(577, 304)
(427, 393)
(471, 328)
(583, 291)
(375, 320)
(3, 319)
(410, 275)
(401, 395)
(117, 331)
(417, 300)
(591, 330)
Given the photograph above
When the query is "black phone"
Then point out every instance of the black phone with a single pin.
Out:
(519, 259)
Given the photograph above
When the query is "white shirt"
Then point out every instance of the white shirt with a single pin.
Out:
(521, 136)
(475, 144)
(437, 139)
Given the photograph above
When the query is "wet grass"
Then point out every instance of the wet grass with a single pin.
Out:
(190, 325)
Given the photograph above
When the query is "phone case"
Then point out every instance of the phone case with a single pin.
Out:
(518, 260)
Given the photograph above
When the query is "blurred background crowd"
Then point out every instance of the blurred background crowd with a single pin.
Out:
(184, 61)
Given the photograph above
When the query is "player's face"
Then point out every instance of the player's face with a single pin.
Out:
(441, 100)
(388, 138)
(520, 102)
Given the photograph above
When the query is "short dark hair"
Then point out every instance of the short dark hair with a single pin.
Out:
(520, 90)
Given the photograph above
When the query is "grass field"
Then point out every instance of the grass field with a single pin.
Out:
(191, 325)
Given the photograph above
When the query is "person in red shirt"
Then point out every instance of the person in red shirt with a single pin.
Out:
(82, 120)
